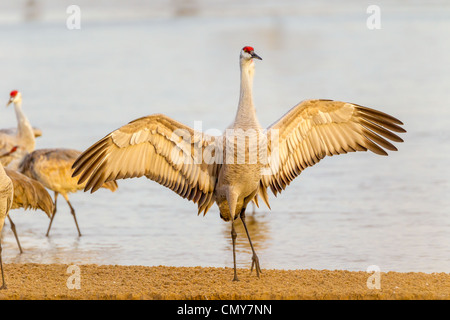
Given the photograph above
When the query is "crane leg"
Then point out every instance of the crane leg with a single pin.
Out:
(233, 237)
(72, 211)
(255, 259)
(13, 228)
(53, 215)
(1, 267)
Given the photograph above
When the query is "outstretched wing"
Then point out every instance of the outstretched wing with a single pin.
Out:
(29, 193)
(157, 147)
(314, 129)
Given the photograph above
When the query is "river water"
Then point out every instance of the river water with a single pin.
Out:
(135, 58)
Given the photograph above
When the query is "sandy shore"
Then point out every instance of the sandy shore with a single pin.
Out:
(36, 281)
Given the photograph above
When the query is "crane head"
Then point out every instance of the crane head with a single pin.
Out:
(248, 53)
(14, 96)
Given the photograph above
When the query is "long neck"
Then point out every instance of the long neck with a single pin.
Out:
(24, 129)
(246, 114)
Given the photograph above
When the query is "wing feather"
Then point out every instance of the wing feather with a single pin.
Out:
(314, 129)
(157, 147)
(29, 193)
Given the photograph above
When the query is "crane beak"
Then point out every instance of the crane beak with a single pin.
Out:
(255, 56)
(10, 101)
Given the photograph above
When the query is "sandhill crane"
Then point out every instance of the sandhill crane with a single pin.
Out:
(226, 172)
(53, 168)
(6, 199)
(24, 136)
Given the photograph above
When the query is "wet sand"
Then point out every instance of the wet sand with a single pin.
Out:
(49, 281)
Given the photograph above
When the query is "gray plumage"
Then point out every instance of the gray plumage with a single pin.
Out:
(6, 198)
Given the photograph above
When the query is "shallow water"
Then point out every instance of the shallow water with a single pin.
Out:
(134, 59)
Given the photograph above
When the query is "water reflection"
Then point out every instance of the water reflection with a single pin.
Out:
(260, 233)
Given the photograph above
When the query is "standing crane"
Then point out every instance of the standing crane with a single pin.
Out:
(23, 136)
(53, 169)
(242, 163)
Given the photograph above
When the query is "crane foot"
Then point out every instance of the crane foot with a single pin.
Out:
(255, 263)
